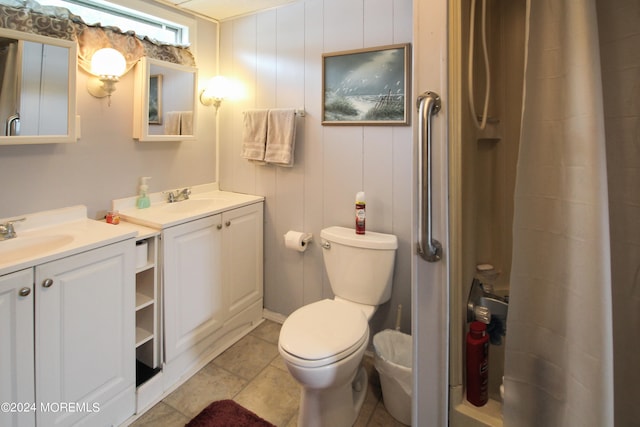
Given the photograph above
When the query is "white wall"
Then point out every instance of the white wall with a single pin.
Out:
(277, 55)
(106, 162)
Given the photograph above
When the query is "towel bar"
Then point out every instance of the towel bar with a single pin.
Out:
(300, 112)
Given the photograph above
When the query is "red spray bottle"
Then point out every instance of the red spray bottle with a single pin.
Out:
(478, 364)
(360, 213)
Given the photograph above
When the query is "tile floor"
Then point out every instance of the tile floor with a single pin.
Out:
(252, 373)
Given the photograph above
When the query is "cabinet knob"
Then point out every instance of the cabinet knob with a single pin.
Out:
(219, 226)
(228, 223)
(46, 283)
(24, 291)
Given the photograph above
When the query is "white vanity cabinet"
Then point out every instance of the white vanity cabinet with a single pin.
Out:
(242, 264)
(210, 276)
(70, 321)
(194, 305)
(213, 274)
(16, 351)
(84, 336)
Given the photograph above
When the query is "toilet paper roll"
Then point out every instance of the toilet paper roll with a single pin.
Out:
(297, 240)
(141, 254)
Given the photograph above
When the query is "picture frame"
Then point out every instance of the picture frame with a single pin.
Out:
(155, 99)
(368, 86)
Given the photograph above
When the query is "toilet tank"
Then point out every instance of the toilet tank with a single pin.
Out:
(359, 266)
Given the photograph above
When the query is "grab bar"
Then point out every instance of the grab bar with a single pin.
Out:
(430, 250)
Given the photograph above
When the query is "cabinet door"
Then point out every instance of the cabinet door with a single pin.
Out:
(243, 256)
(193, 301)
(16, 351)
(85, 345)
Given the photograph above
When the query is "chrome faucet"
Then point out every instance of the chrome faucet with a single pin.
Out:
(178, 195)
(488, 308)
(7, 231)
(481, 304)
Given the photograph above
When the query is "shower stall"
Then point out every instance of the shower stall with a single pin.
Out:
(487, 66)
(515, 175)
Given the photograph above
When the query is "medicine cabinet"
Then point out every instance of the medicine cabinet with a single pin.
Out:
(37, 88)
(165, 101)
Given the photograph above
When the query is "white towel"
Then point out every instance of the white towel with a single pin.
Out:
(281, 137)
(186, 123)
(172, 123)
(254, 134)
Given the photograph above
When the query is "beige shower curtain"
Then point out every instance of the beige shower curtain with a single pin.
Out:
(559, 352)
(619, 29)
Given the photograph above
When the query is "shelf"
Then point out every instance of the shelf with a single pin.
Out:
(143, 301)
(148, 347)
(145, 283)
(142, 336)
(146, 267)
(144, 373)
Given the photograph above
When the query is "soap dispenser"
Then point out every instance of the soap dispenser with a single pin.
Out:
(143, 198)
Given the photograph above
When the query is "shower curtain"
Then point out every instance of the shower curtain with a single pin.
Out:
(559, 352)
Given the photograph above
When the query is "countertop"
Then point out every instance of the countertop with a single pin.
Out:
(205, 200)
(50, 235)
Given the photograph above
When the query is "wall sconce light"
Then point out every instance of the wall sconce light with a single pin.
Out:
(107, 65)
(217, 89)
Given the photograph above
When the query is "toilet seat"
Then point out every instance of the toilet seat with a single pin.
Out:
(323, 333)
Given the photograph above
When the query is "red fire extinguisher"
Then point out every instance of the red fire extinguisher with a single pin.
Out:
(478, 364)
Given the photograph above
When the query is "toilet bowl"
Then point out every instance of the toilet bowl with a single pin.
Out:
(323, 343)
(325, 363)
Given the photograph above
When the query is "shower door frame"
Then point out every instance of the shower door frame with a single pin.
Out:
(430, 280)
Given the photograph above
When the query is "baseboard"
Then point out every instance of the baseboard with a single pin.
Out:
(273, 316)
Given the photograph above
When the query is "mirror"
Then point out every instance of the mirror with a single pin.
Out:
(37, 88)
(165, 98)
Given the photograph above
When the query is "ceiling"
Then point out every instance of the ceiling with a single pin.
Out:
(225, 9)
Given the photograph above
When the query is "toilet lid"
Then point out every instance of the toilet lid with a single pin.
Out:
(322, 330)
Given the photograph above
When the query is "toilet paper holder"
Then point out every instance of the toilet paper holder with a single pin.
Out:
(297, 240)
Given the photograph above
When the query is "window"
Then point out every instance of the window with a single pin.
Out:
(110, 14)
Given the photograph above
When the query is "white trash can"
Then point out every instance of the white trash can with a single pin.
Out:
(393, 361)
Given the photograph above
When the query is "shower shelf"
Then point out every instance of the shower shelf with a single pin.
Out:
(490, 120)
(489, 140)
(492, 131)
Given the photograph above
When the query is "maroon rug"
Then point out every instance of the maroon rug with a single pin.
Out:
(227, 413)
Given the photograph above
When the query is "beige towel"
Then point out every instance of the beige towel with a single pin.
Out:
(172, 123)
(281, 137)
(254, 134)
(186, 123)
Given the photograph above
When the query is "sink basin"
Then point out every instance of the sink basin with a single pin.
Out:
(191, 205)
(23, 247)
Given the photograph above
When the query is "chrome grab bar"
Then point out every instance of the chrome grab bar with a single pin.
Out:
(428, 104)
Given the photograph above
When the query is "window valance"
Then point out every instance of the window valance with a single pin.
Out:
(31, 17)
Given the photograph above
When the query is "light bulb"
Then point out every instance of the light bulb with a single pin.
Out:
(108, 62)
(217, 88)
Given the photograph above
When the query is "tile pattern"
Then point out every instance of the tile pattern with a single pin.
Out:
(252, 373)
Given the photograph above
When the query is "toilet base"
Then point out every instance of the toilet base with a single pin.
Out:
(333, 407)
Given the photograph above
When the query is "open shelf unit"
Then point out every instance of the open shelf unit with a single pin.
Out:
(148, 332)
(148, 306)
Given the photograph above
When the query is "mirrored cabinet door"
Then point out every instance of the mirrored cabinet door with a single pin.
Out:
(37, 88)
(165, 101)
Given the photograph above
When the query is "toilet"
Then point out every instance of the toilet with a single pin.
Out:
(323, 343)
